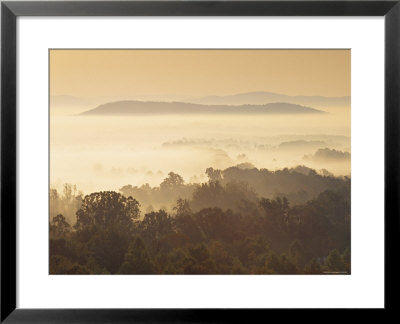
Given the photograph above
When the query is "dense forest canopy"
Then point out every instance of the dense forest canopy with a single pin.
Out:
(243, 220)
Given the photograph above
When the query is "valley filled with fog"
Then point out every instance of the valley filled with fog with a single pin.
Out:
(189, 161)
(134, 192)
(107, 152)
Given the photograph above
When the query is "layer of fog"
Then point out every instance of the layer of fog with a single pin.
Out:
(106, 153)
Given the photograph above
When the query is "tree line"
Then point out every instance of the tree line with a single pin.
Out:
(224, 227)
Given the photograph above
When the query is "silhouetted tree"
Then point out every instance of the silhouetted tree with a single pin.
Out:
(182, 207)
(172, 181)
(107, 210)
(59, 226)
(214, 174)
(156, 224)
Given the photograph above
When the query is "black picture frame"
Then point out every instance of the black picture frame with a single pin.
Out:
(10, 10)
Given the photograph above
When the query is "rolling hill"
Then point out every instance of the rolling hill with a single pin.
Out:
(130, 107)
(263, 97)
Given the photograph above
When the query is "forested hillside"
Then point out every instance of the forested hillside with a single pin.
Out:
(242, 221)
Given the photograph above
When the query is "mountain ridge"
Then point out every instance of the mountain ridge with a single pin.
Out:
(129, 107)
(264, 97)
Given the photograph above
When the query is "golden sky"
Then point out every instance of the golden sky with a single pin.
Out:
(196, 73)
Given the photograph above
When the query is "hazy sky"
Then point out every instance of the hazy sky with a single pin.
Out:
(196, 73)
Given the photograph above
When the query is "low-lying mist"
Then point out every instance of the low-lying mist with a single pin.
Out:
(108, 152)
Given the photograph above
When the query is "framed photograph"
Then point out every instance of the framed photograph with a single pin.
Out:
(197, 160)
